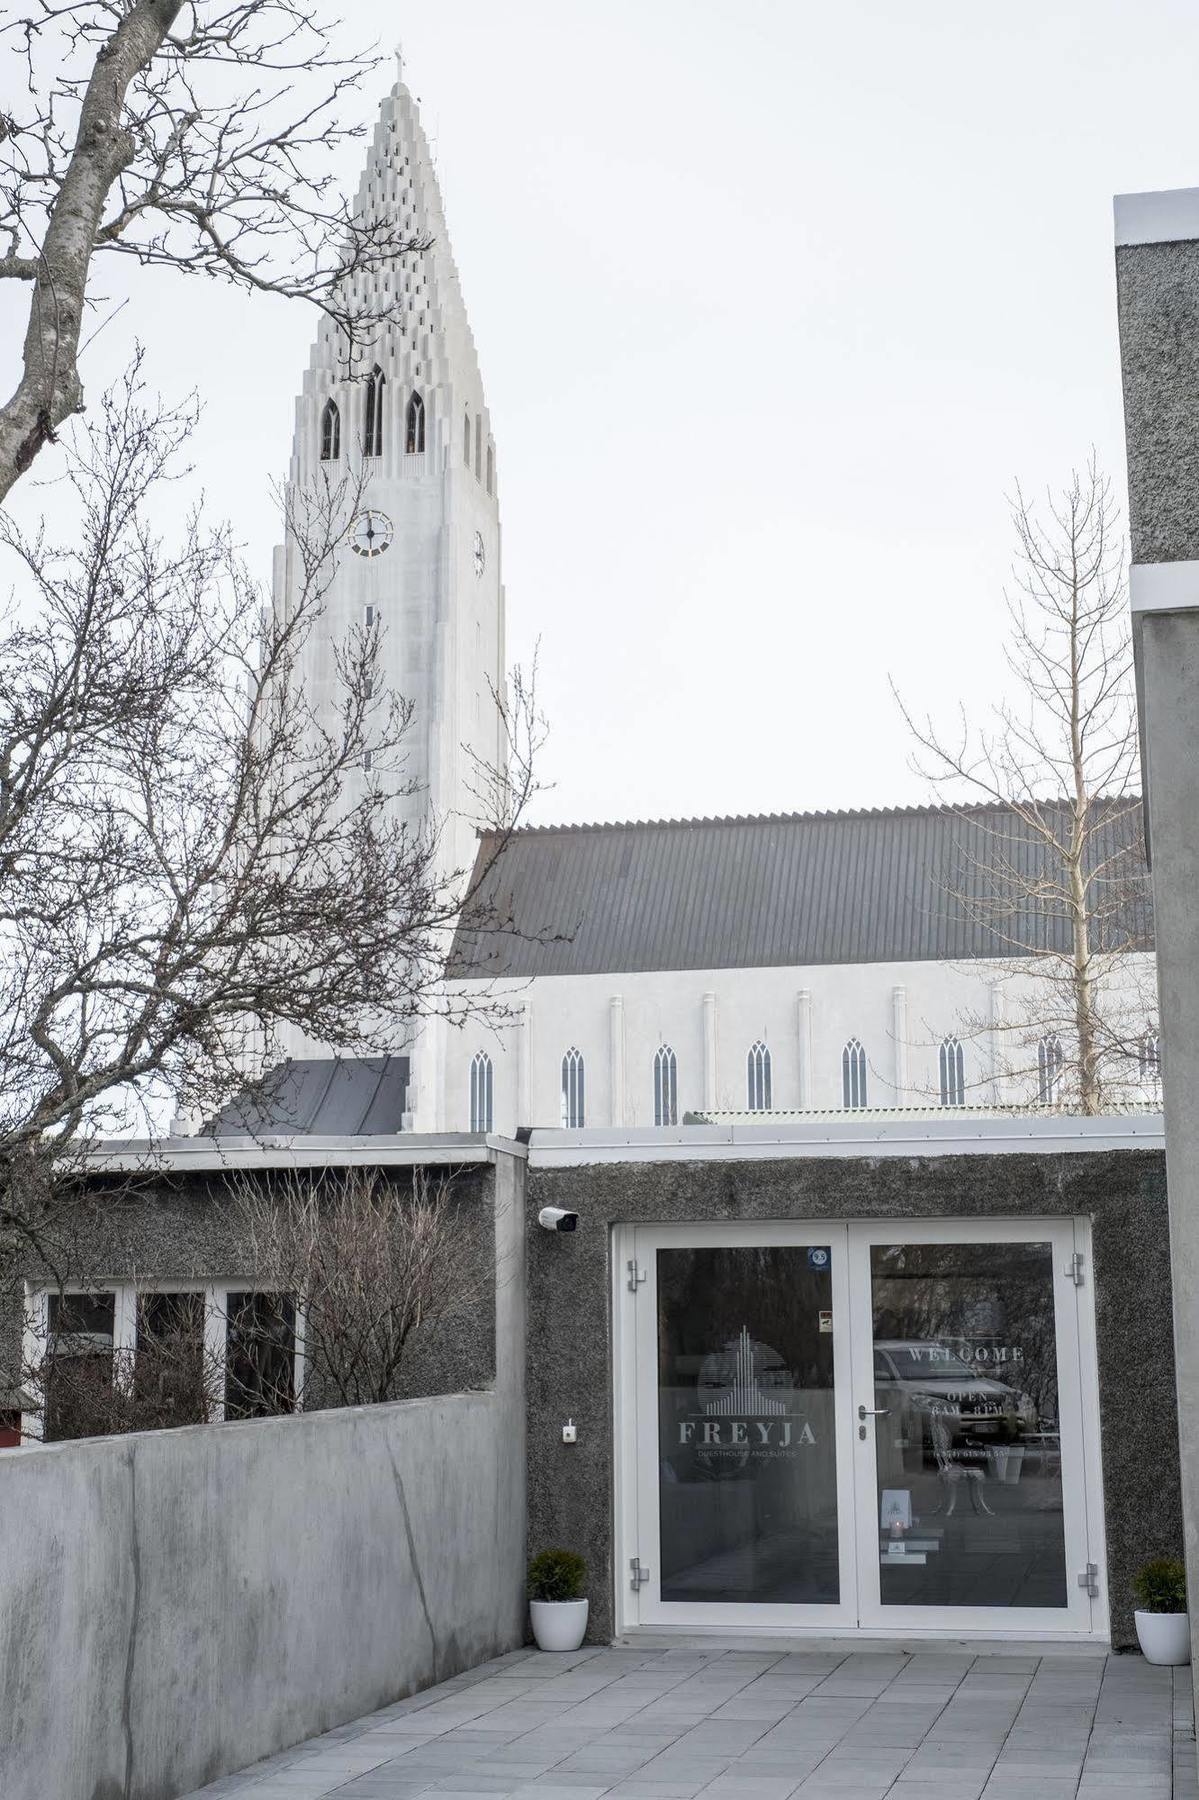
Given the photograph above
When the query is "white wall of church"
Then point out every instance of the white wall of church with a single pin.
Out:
(899, 1012)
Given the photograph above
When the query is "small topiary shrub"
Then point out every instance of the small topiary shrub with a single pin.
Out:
(557, 1575)
(1161, 1586)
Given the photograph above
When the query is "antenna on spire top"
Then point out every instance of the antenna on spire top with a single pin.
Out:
(399, 56)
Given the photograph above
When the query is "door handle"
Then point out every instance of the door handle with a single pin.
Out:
(873, 1412)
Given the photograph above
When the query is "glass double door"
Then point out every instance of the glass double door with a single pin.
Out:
(834, 1426)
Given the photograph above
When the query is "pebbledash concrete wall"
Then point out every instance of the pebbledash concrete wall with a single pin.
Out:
(178, 1604)
(1157, 285)
(610, 1181)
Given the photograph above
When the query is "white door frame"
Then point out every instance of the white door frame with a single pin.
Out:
(1076, 1618)
(634, 1315)
(641, 1449)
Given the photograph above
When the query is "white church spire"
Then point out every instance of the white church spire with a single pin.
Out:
(423, 339)
(404, 410)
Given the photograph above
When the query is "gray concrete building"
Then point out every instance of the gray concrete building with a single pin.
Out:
(895, 1375)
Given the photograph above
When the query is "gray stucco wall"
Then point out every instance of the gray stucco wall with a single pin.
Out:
(570, 1365)
(1157, 289)
(1158, 297)
(178, 1604)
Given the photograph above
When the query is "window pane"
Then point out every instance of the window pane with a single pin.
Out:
(79, 1366)
(168, 1365)
(260, 1339)
(747, 1464)
(969, 1451)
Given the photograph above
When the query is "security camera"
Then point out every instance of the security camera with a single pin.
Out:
(552, 1218)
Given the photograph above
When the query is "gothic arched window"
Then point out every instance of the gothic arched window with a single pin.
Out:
(666, 1087)
(1149, 1058)
(953, 1082)
(574, 1107)
(478, 446)
(481, 1081)
(853, 1075)
(330, 432)
(1049, 1068)
(466, 439)
(757, 1078)
(414, 427)
(373, 434)
(491, 468)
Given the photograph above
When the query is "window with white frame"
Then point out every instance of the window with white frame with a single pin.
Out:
(1149, 1059)
(1049, 1069)
(481, 1080)
(666, 1087)
(853, 1075)
(123, 1357)
(574, 1100)
(953, 1082)
(757, 1078)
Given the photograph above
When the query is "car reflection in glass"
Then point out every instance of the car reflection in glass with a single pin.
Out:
(917, 1378)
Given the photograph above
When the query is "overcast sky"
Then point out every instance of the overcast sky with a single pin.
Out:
(773, 303)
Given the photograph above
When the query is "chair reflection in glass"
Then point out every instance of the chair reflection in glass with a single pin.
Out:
(950, 1472)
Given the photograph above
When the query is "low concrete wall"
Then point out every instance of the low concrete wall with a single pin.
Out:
(177, 1604)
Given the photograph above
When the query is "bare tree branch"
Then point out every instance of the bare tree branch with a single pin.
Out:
(195, 139)
(192, 857)
(1059, 882)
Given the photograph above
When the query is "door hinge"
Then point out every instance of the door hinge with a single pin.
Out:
(1089, 1580)
(638, 1574)
(636, 1275)
(1075, 1268)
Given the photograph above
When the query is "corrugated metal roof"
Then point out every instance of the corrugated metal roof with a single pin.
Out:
(899, 885)
(322, 1096)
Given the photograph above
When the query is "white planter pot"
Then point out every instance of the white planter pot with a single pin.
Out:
(558, 1624)
(1007, 1461)
(1164, 1637)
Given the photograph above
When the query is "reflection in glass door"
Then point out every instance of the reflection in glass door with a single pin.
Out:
(977, 1507)
(746, 1447)
(743, 1445)
(969, 1463)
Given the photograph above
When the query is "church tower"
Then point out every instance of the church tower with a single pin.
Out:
(406, 413)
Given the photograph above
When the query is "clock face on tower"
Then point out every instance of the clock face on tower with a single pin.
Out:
(480, 554)
(371, 533)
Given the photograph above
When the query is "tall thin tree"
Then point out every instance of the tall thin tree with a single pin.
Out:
(1052, 857)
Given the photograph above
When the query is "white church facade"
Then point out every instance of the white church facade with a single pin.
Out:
(652, 970)
(811, 963)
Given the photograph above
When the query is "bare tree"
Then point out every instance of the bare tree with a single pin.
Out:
(195, 138)
(1052, 855)
(191, 859)
(370, 1262)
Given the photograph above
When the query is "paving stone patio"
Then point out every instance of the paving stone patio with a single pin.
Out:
(766, 1724)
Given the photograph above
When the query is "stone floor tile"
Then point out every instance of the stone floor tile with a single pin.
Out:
(737, 1724)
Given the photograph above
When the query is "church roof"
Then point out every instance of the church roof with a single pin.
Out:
(356, 1096)
(904, 884)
